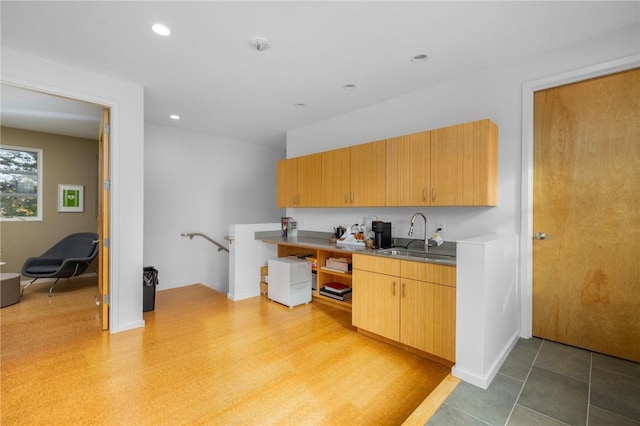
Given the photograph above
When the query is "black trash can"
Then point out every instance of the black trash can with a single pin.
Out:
(149, 283)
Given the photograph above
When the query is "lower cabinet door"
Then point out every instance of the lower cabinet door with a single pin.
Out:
(428, 320)
(444, 321)
(417, 314)
(376, 303)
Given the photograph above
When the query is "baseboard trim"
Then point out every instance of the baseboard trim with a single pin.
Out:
(483, 379)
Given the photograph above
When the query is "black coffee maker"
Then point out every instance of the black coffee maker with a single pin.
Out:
(382, 231)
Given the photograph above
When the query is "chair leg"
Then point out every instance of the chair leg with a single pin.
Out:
(54, 284)
(27, 286)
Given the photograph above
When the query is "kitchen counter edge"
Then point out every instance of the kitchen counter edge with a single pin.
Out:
(324, 244)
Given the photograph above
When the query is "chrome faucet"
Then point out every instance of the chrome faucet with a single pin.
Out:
(426, 239)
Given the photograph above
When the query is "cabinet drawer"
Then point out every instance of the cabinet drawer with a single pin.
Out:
(429, 272)
(376, 264)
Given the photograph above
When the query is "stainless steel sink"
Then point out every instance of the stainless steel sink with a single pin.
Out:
(419, 255)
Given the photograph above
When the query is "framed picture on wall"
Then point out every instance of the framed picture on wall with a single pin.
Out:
(70, 198)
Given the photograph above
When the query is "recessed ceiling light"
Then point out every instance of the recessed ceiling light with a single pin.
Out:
(419, 58)
(349, 86)
(161, 29)
(300, 105)
(174, 117)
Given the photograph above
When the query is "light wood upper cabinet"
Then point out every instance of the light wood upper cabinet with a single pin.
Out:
(452, 166)
(368, 174)
(336, 178)
(309, 174)
(354, 176)
(298, 181)
(409, 170)
(464, 165)
(286, 188)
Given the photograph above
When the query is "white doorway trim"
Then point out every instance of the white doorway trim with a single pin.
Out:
(526, 218)
(114, 113)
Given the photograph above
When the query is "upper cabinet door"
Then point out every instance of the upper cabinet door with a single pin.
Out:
(409, 170)
(336, 178)
(464, 165)
(368, 174)
(309, 173)
(286, 185)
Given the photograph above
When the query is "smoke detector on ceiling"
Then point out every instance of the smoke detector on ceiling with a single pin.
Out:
(260, 44)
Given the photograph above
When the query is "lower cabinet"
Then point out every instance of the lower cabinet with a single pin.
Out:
(412, 303)
(376, 303)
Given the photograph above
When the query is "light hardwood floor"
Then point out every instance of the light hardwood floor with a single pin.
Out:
(201, 359)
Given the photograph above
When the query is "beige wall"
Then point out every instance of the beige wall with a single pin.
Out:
(66, 160)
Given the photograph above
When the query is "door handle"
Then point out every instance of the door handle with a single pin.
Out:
(540, 235)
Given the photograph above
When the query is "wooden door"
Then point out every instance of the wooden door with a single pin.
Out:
(336, 178)
(376, 303)
(409, 170)
(368, 174)
(103, 220)
(586, 273)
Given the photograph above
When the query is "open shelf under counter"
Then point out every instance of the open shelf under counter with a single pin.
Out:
(344, 305)
(317, 246)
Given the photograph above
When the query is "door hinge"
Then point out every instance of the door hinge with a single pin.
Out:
(106, 299)
(107, 185)
(107, 129)
(106, 241)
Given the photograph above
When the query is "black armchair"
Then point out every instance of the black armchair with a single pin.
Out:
(68, 258)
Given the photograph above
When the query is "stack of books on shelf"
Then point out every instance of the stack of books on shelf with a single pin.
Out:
(338, 265)
(336, 291)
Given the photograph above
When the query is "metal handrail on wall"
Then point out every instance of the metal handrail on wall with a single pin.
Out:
(194, 234)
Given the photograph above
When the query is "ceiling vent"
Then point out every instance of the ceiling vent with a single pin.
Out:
(260, 44)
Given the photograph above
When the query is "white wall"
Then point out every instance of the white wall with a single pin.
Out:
(126, 102)
(495, 94)
(201, 183)
(487, 306)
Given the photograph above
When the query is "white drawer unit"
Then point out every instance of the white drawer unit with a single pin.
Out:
(290, 281)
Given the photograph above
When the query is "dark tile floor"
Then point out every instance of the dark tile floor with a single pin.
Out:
(546, 383)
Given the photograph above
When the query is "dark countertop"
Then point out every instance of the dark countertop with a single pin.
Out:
(320, 240)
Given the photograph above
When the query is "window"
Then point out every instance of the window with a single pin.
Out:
(20, 183)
